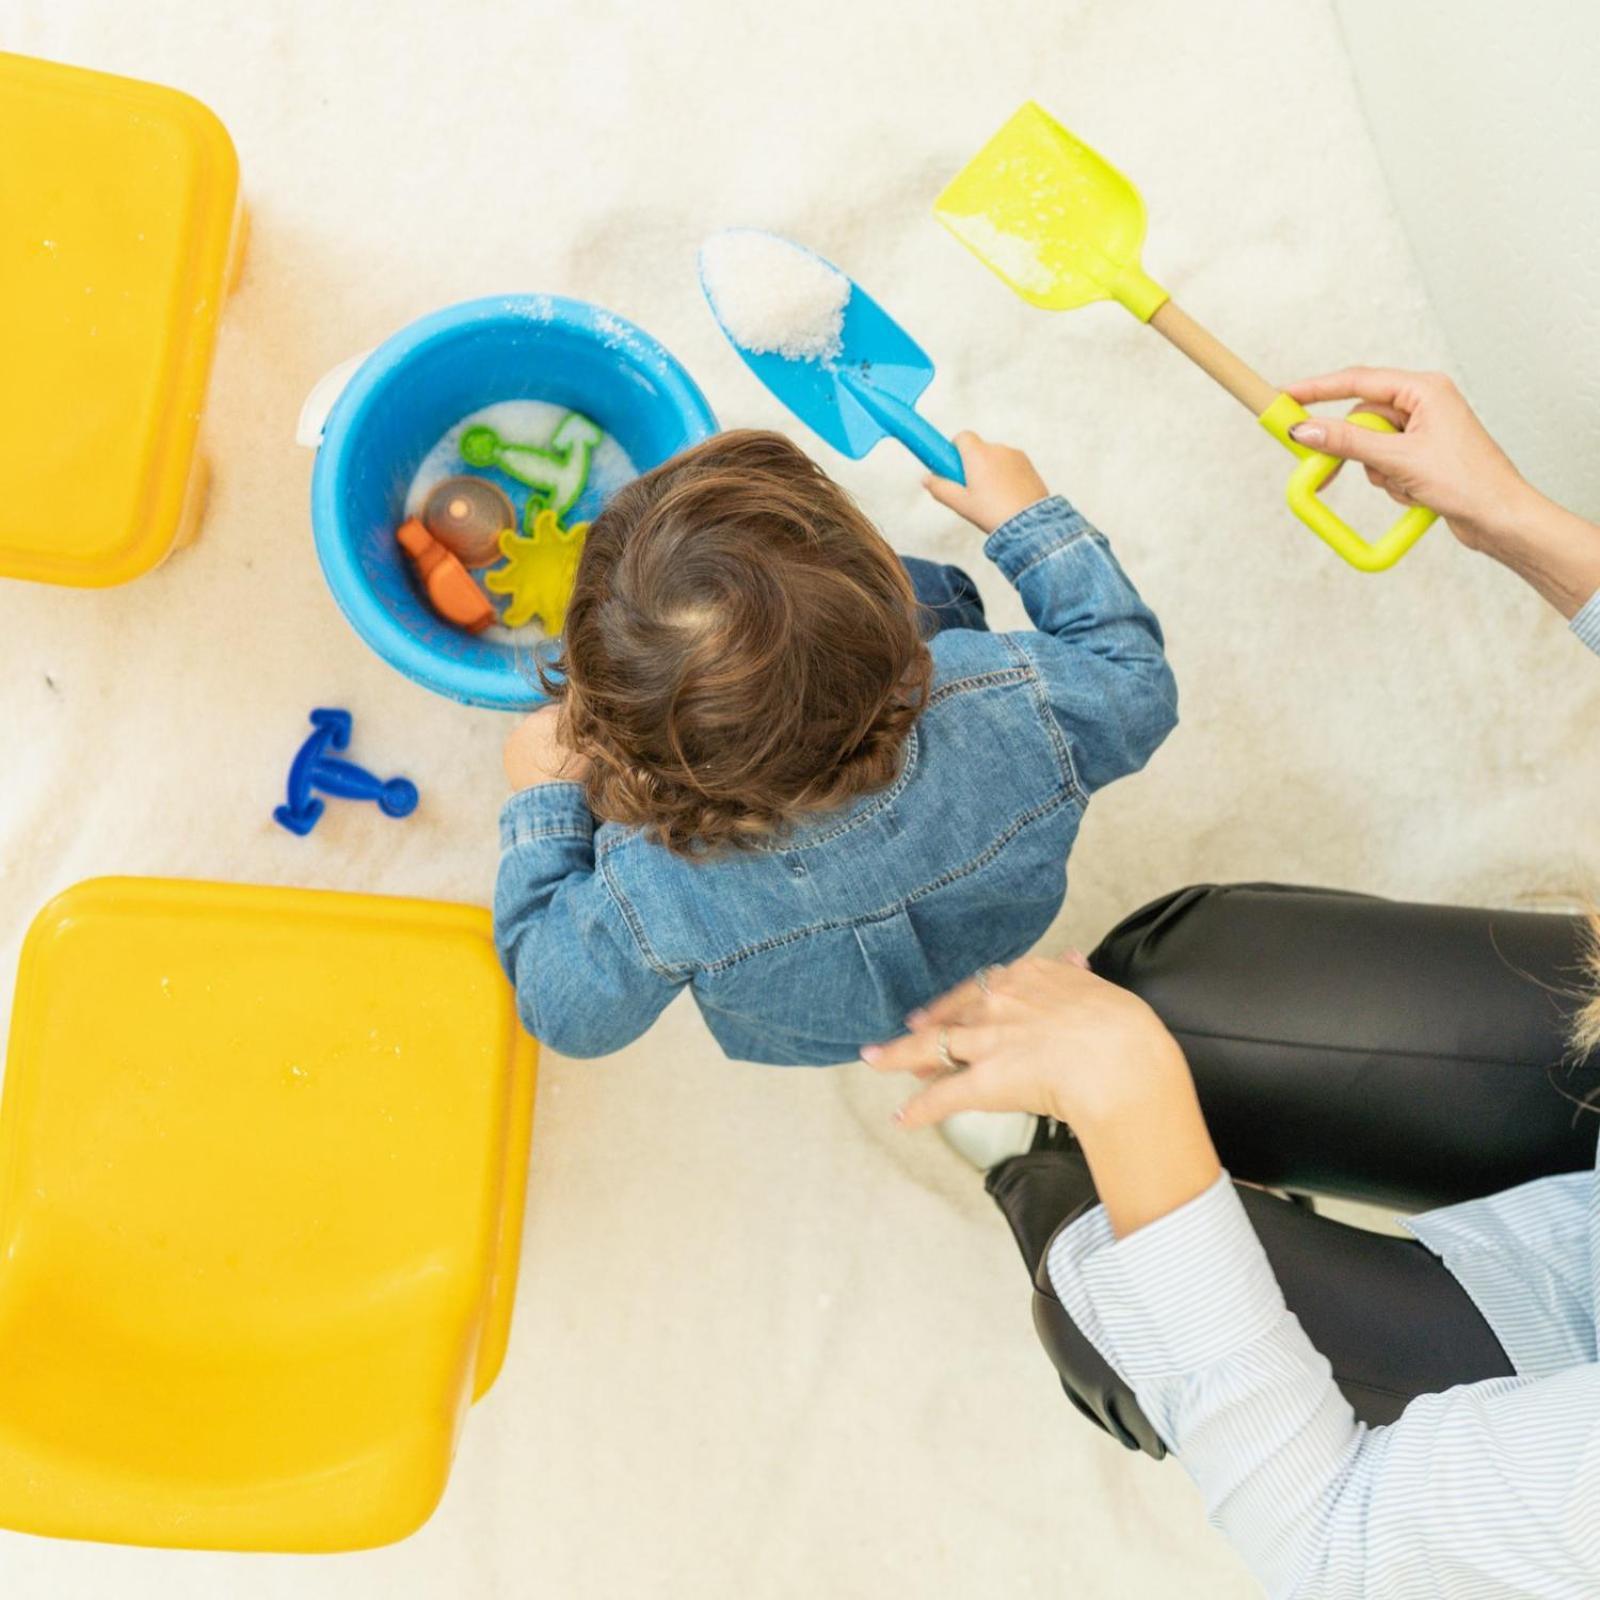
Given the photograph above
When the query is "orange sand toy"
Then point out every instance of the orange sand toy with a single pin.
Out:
(449, 586)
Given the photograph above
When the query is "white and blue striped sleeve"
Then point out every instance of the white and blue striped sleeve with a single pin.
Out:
(1487, 1490)
(1586, 624)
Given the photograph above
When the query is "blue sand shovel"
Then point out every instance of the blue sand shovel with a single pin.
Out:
(865, 392)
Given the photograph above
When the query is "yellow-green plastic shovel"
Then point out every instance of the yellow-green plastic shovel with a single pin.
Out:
(1063, 227)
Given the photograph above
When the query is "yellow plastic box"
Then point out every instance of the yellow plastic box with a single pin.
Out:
(262, 1166)
(120, 233)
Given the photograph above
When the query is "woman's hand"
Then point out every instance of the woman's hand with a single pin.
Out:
(1050, 1037)
(534, 752)
(1443, 456)
(1000, 483)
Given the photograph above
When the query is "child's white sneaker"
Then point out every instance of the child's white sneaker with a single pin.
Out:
(986, 1138)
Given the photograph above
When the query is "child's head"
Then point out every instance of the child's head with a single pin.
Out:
(741, 647)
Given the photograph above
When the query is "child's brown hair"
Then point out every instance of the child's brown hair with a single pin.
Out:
(741, 647)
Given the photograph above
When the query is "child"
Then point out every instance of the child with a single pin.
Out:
(798, 776)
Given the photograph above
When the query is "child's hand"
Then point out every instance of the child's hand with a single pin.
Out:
(1000, 483)
(535, 754)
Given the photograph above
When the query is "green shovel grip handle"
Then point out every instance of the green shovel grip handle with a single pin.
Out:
(1315, 468)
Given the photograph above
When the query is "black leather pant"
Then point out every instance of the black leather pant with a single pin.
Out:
(1349, 1046)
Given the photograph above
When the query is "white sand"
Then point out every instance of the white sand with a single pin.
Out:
(1017, 258)
(766, 1348)
(773, 297)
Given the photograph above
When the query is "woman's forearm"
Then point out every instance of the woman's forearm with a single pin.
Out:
(1152, 1152)
(1552, 549)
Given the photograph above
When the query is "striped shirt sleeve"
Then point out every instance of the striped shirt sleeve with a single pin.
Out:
(1587, 623)
(1490, 1490)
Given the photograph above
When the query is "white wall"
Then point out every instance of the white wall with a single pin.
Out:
(1487, 121)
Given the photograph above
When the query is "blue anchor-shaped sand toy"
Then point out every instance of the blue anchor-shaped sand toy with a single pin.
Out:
(314, 768)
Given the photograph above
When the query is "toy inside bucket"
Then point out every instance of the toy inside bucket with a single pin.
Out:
(505, 367)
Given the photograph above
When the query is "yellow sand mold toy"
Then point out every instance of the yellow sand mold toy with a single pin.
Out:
(1063, 227)
(262, 1162)
(540, 571)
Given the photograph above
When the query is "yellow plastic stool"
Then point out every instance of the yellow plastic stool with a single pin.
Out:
(122, 233)
(262, 1165)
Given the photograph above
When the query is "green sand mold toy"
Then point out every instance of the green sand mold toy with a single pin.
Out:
(557, 472)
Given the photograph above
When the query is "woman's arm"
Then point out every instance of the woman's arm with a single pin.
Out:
(1443, 457)
(1488, 1490)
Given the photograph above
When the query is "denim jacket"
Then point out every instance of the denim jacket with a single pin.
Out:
(820, 940)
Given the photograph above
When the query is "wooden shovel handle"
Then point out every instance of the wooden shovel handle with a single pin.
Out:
(1243, 382)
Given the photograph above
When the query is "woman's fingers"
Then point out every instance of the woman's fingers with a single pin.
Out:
(1389, 413)
(1337, 437)
(968, 1002)
(955, 1005)
(918, 1052)
(1306, 432)
(956, 1091)
(1380, 384)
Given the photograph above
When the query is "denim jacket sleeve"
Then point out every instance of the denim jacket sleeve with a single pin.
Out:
(583, 984)
(1099, 647)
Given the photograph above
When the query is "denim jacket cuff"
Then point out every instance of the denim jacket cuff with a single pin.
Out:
(546, 811)
(1035, 534)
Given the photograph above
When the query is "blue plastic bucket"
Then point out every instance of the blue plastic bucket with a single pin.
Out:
(421, 382)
